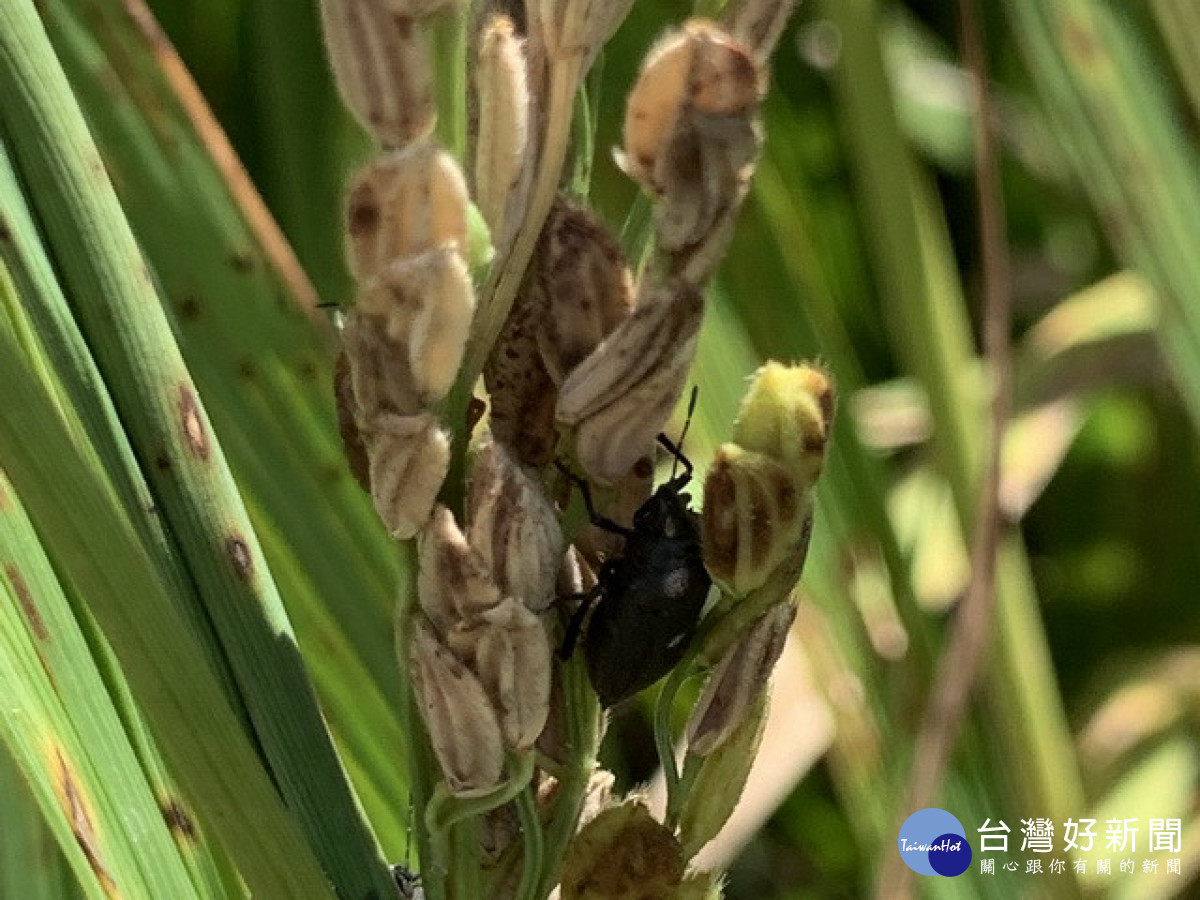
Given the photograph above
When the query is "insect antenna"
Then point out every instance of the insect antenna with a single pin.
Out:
(676, 450)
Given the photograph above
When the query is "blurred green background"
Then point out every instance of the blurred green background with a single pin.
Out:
(858, 247)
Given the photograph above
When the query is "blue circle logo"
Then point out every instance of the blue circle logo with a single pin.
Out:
(933, 842)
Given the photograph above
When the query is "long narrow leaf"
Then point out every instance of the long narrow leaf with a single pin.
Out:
(118, 306)
(246, 328)
(79, 516)
(31, 866)
(67, 734)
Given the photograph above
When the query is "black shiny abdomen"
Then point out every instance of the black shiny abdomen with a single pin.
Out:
(649, 606)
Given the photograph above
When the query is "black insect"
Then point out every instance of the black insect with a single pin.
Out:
(409, 882)
(643, 611)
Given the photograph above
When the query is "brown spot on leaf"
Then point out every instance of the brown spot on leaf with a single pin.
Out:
(190, 308)
(75, 803)
(246, 369)
(96, 165)
(34, 615)
(162, 462)
(242, 261)
(1078, 40)
(239, 555)
(195, 435)
(5, 231)
(178, 820)
(25, 598)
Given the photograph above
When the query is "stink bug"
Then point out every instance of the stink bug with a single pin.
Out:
(643, 611)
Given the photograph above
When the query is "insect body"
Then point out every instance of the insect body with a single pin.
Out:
(409, 882)
(647, 602)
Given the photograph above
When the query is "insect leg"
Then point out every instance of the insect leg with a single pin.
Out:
(594, 517)
(587, 601)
